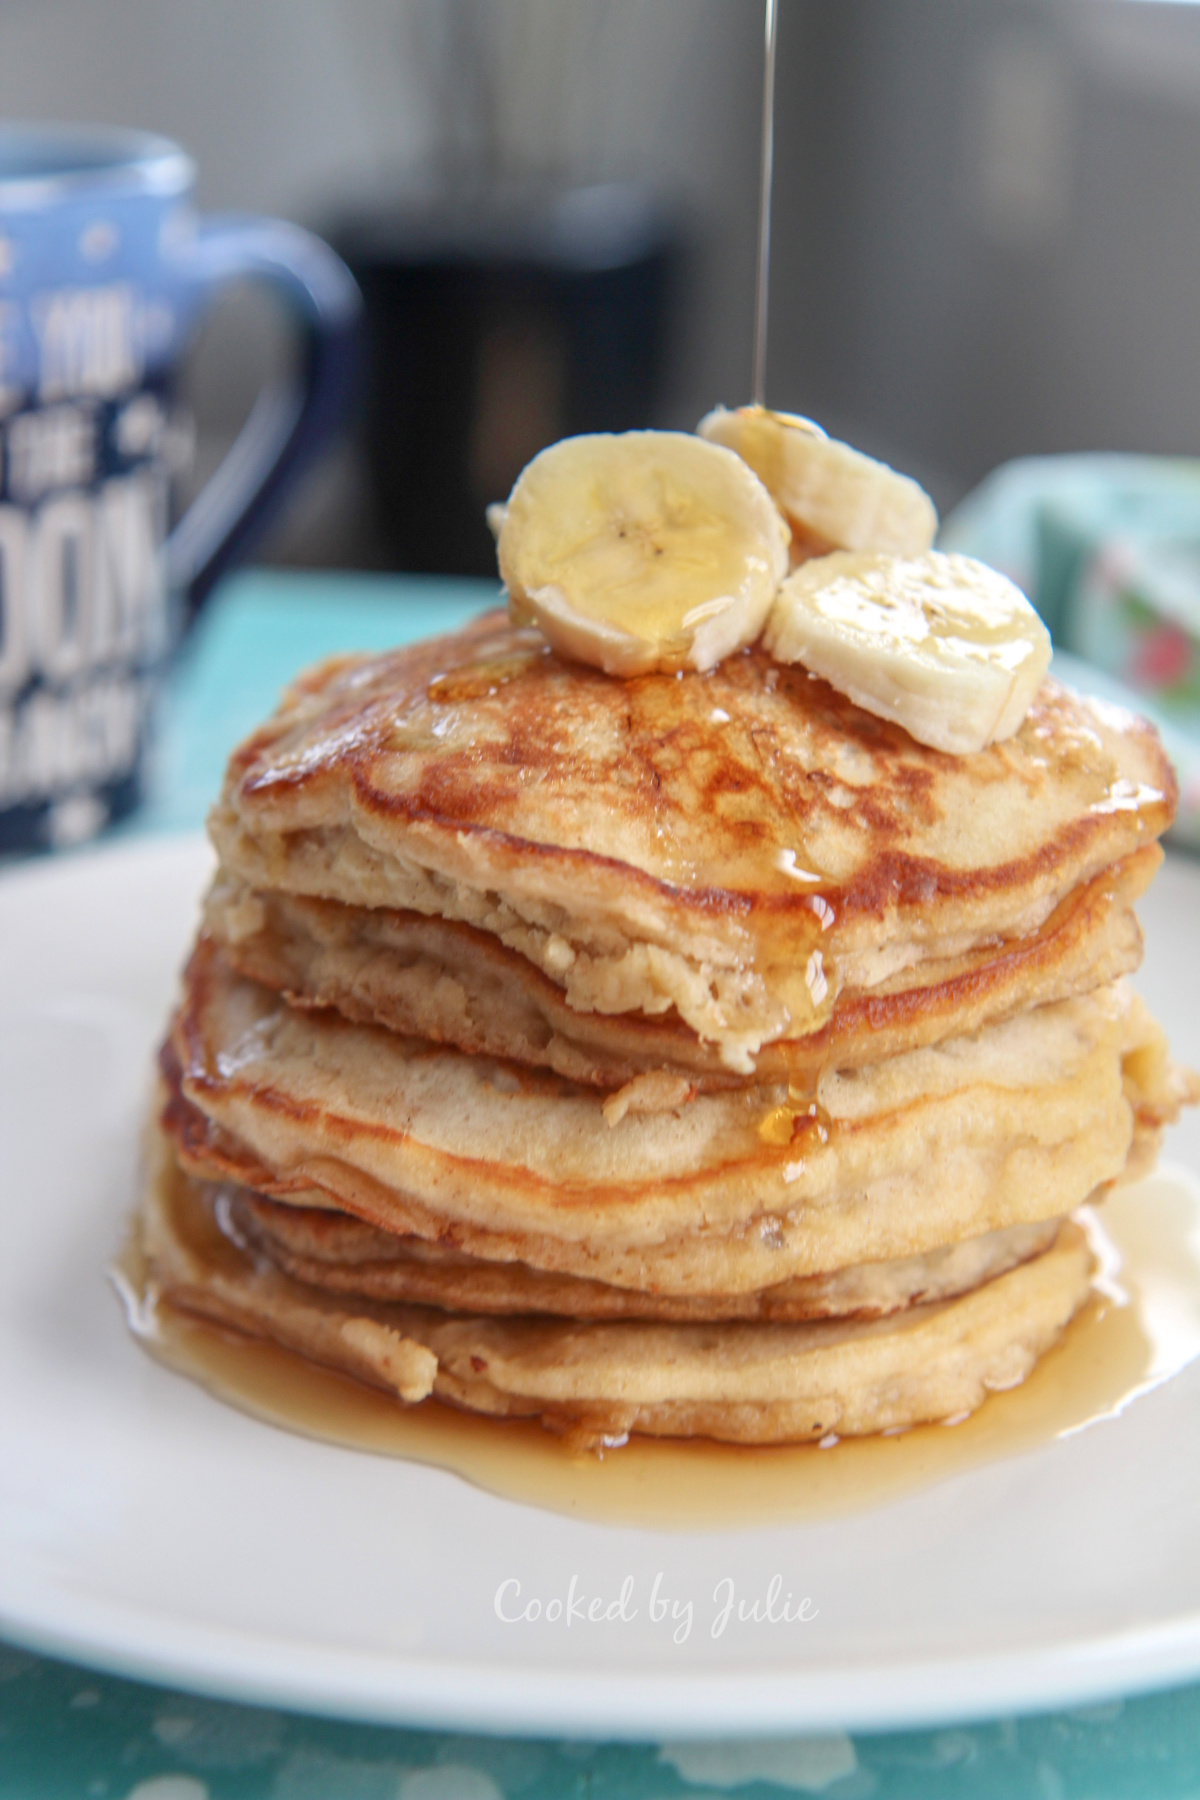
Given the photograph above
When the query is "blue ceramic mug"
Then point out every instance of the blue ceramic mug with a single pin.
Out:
(105, 270)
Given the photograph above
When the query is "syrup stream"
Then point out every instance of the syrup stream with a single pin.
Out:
(764, 209)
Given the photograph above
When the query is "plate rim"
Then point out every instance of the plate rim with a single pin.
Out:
(541, 1701)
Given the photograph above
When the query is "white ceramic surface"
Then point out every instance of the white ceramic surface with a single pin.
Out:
(148, 1528)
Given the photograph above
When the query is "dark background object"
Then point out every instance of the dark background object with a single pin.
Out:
(984, 235)
(496, 323)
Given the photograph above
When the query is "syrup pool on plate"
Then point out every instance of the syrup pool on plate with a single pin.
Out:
(1140, 1327)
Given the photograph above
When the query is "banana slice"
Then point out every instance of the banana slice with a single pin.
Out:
(835, 498)
(940, 644)
(648, 550)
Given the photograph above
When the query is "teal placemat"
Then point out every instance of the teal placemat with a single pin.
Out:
(66, 1731)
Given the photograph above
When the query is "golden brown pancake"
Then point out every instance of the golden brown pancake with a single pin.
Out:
(452, 984)
(733, 1192)
(736, 847)
(338, 1252)
(747, 1383)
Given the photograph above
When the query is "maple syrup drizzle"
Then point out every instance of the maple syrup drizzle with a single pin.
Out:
(801, 1115)
(1141, 1326)
(484, 676)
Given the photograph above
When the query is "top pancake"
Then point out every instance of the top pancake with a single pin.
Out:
(735, 846)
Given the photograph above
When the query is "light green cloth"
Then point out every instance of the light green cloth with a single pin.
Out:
(1108, 550)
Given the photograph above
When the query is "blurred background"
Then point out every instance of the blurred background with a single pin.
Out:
(986, 224)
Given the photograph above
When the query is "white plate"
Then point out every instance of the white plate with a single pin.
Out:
(147, 1528)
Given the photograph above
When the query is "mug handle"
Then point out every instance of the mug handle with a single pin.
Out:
(290, 420)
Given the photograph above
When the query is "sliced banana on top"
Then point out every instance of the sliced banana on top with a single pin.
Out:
(835, 498)
(648, 550)
(940, 644)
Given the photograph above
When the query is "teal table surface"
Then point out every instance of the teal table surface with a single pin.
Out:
(68, 1731)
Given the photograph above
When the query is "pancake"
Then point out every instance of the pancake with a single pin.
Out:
(731, 1193)
(344, 1255)
(450, 983)
(746, 1383)
(734, 848)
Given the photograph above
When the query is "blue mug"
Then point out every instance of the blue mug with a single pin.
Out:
(105, 270)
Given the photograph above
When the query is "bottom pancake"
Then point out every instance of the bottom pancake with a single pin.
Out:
(597, 1382)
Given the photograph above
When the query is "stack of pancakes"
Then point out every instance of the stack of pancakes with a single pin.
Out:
(692, 1055)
